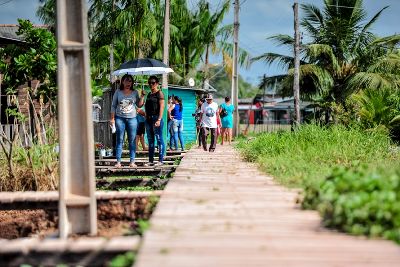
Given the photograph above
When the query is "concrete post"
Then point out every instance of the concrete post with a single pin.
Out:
(77, 205)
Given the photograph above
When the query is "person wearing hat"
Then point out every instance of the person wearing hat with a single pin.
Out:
(209, 114)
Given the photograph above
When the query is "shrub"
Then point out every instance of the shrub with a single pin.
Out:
(359, 201)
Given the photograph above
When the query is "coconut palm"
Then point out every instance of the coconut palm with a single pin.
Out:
(47, 13)
(342, 57)
(379, 108)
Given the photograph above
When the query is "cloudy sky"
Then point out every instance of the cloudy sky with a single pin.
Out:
(258, 20)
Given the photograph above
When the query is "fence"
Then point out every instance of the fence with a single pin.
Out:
(8, 130)
(101, 120)
(267, 126)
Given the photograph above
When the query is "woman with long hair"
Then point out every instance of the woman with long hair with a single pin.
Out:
(123, 117)
(176, 115)
(154, 108)
(226, 114)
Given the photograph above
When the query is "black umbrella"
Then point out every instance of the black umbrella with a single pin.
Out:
(143, 66)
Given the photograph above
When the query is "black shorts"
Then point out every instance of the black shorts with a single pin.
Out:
(141, 129)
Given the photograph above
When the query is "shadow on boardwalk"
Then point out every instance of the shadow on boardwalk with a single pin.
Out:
(221, 211)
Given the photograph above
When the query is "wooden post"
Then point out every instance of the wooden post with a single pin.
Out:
(296, 82)
(77, 205)
(235, 85)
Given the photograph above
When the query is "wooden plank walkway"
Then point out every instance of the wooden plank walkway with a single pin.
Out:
(220, 211)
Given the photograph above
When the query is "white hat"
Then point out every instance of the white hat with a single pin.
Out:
(209, 96)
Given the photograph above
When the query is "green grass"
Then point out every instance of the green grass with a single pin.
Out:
(310, 153)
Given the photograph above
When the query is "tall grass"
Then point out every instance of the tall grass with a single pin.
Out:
(308, 154)
(35, 169)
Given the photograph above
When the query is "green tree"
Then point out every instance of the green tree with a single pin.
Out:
(343, 55)
(222, 82)
(35, 60)
(379, 109)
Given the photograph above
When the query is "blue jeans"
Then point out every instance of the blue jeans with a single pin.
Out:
(170, 132)
(153, 134)
(178, 132)
(130, 125)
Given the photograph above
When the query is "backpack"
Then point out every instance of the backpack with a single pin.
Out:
(223, 113)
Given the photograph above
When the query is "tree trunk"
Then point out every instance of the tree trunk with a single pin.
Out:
(206, 81)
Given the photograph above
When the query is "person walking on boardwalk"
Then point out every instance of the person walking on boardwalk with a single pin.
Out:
(141, 129)
(197, 117)
(209, 114)
(226, 114)
(170, 130)
(177, 126)
(123, 117)
(154, 108)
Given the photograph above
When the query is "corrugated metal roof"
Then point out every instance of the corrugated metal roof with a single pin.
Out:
(9, 33)
(181, 87)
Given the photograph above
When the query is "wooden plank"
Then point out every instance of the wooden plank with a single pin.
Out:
(220, 211)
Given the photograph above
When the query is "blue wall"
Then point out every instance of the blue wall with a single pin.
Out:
(189, 107)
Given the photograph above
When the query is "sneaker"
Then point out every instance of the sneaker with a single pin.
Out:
(149, 164)
(159, 164)
(212, 150)
(132, 165)
(118, 165)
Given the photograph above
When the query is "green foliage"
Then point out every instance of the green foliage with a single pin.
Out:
(140, 226)
(123, 260)
(359, 201)
(96, 89)
(308, 154)
(35, 60)
(342, 56)
(222, 82)
(379, 109)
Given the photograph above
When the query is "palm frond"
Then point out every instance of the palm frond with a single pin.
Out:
(282, 40)
(283, 61)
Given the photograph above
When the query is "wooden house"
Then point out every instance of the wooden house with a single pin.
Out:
(189, 97)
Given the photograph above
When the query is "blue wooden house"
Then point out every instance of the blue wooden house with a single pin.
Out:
(189, 101)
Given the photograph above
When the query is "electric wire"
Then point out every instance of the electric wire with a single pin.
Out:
(6, 2)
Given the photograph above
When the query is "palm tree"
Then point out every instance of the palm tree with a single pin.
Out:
(47, 13)
(379, 108)
(342, 57)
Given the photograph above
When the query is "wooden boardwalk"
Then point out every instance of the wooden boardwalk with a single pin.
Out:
(221, 211)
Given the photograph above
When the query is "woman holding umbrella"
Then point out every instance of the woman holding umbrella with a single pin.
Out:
(123, 116)
(154, 108)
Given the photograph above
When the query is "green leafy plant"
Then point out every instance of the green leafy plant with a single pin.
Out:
(359, 201)
(123, 260)
(379, 109)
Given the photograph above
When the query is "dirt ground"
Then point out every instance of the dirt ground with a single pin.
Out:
(115, 218)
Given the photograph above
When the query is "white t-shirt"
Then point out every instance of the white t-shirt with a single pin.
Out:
(209, 118)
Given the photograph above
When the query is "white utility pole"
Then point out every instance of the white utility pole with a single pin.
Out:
(166, 43)
(112, 51)
(296, 76)
(166, 62)
(77, 204)
(235, 84)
